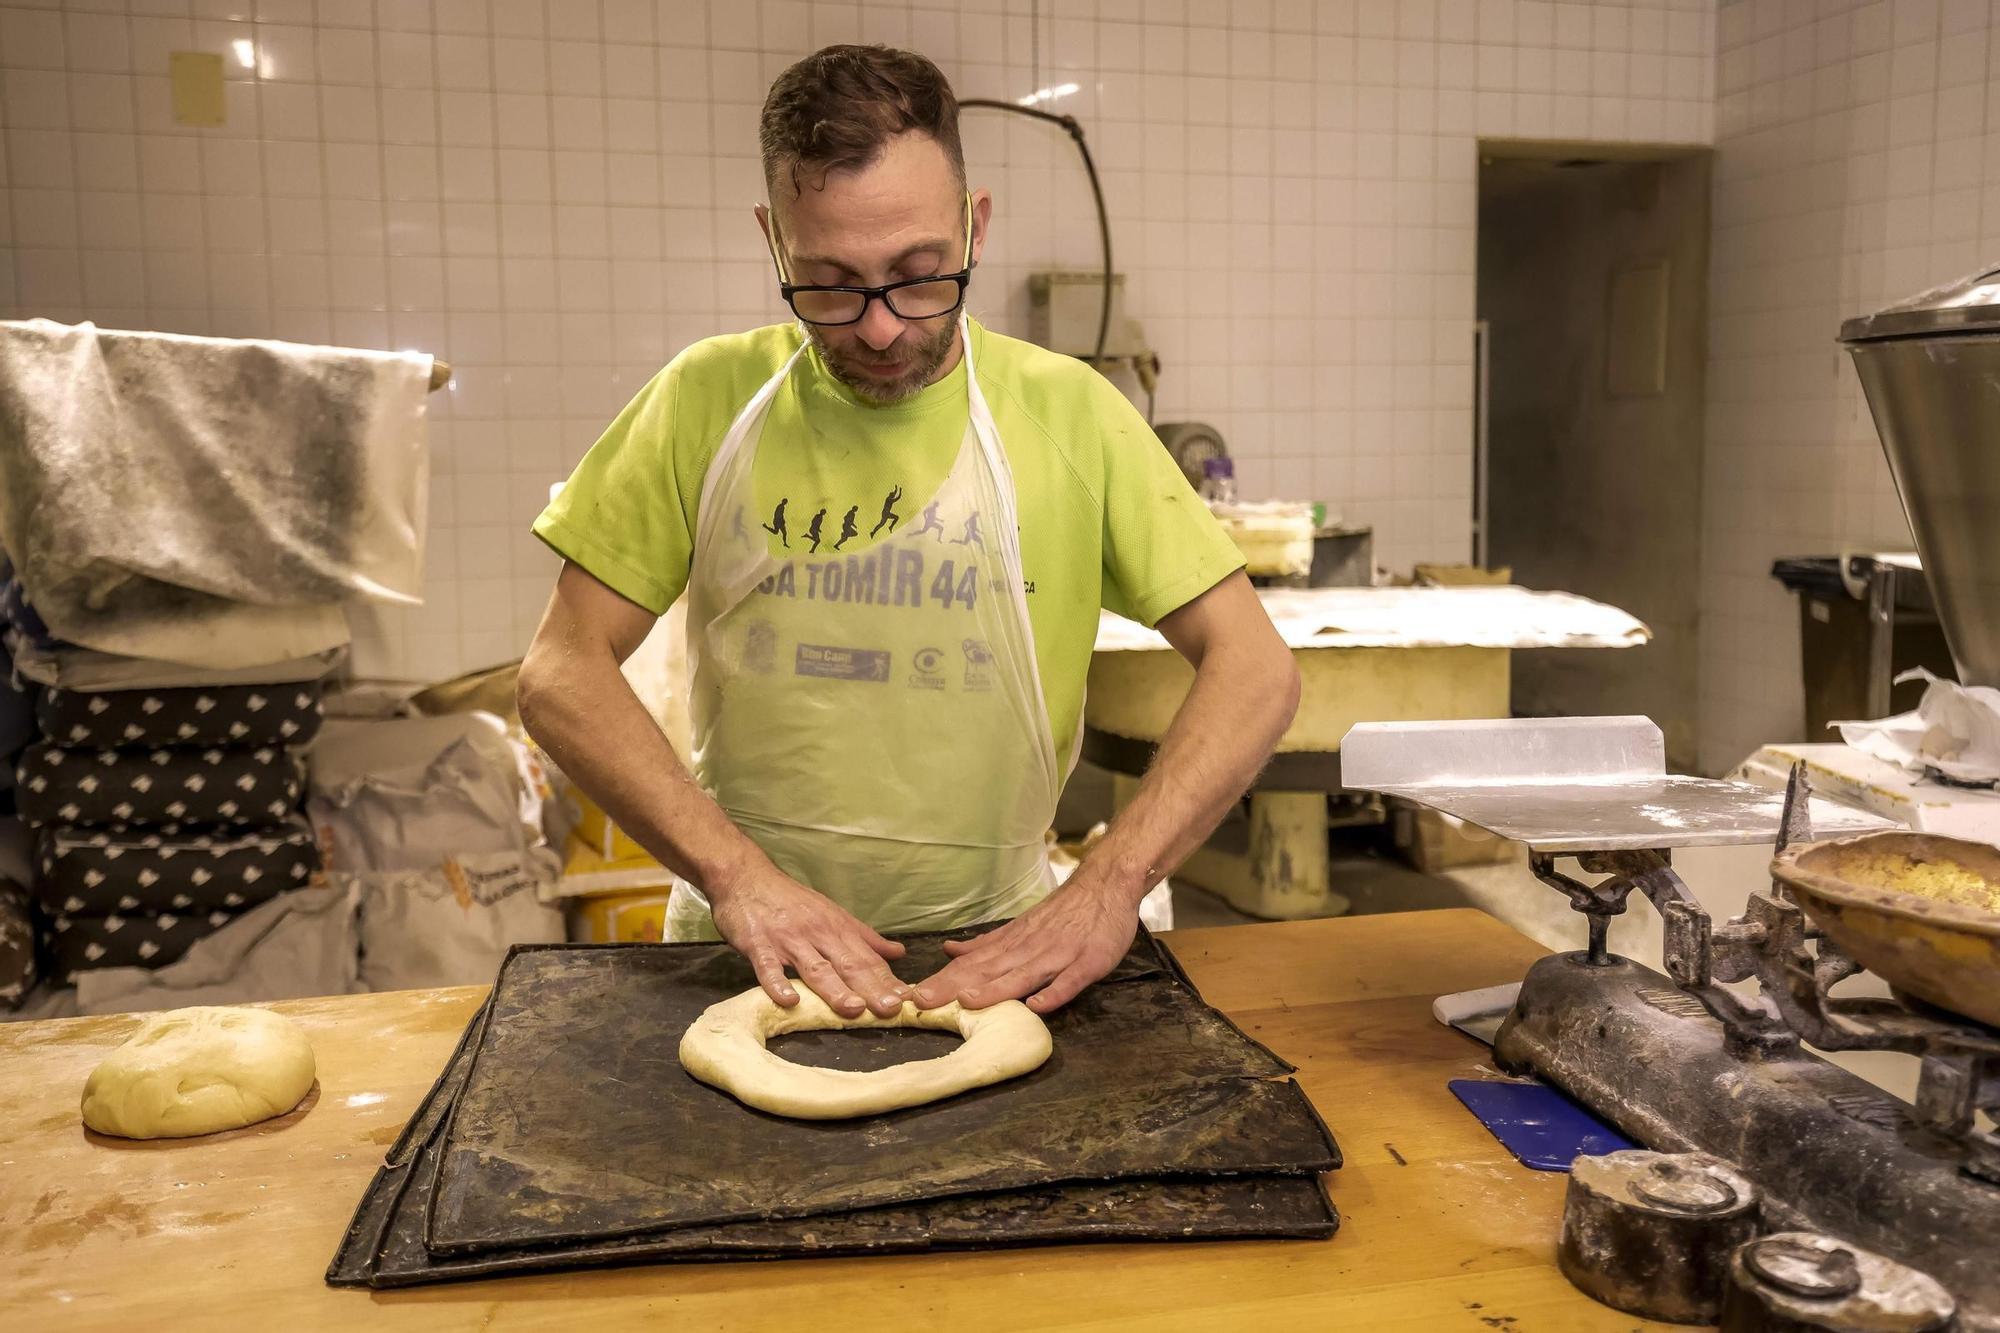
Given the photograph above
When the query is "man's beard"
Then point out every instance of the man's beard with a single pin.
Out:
(929, 355)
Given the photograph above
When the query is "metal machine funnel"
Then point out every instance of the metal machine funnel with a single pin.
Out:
(1931, 369)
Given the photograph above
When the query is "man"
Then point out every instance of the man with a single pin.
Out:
(881, 734)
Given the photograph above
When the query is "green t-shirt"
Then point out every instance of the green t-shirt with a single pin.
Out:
(1107, 519)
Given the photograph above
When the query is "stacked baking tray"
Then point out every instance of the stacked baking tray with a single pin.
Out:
(563, 1133)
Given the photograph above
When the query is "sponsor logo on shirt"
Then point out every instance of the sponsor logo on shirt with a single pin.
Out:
(831, 663)
(927, 671)
(978, 664)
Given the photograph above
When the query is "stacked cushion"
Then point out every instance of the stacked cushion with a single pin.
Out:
(96, 872)
(162, 813)
(140, 940)
(217, 715)
(59, 785)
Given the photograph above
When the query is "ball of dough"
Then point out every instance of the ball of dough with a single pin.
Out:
(725, 1049)
(199, 1071)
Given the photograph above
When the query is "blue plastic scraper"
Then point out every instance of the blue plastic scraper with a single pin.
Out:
(1544, 1129)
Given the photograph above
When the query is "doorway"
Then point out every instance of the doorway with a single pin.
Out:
(1592, 302)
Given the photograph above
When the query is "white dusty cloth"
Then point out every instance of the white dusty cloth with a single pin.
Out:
(1955, 731)
(297, 945)
(154, 485)
(88, 671)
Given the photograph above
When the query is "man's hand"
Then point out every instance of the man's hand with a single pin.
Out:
(777, 922)
(1048, 954)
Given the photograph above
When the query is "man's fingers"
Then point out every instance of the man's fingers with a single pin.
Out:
(816, 972)
(978, 944)
(1009, 985)
(883, 945)
(956, 978)
(935, 991)
(771, 976)
(1058, 992)
(942, 986)
(864, 972)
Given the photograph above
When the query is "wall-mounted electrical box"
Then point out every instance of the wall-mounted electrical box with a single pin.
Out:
(1064, 308)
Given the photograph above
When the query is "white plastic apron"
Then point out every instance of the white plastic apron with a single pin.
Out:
(872, 717)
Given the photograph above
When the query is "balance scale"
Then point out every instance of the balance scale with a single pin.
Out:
(1689, 1061)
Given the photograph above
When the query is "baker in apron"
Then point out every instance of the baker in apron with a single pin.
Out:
(874, 721)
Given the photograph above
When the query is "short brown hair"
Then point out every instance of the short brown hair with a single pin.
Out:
(837, 108)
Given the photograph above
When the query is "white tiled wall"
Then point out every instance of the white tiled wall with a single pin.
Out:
(555, 197)
(1858, 163)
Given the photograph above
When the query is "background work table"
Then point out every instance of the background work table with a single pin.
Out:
(1440, 1228)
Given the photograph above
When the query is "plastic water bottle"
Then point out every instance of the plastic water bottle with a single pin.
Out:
(1218, 481)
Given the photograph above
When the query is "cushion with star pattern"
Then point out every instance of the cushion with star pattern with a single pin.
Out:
(98, 871)
(138, 939)
(242, 715)
(56, 784)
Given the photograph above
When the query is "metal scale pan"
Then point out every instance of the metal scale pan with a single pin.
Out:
(1569, 785)
(1920, 911)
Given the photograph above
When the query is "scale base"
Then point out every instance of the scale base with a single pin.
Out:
(1828, 1151)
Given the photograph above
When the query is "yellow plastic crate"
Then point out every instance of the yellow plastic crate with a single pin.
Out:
(618, 918)
(601, 833)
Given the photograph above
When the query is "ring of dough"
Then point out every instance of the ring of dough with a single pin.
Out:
(725, 1049)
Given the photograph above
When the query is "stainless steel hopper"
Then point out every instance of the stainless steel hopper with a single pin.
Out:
(1931, 369)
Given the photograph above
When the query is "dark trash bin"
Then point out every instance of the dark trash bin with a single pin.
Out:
(1858, 633)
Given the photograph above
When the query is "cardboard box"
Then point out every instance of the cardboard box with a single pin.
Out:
(1432, 841)
(618, 918)
(1464, 576)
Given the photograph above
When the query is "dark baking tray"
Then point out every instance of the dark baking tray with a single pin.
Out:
(385, 1249)
(383, 1246)
(577, 1125)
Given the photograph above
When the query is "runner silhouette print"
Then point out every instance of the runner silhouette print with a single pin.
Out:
(890, 518)
(812, 530)
(971, 537)
(931, 523)
(847, 527)
(776, 527)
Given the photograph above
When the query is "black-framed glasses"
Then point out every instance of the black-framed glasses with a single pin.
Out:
(930, 297)
(914, 298)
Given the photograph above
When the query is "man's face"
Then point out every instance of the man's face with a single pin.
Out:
(902, 216)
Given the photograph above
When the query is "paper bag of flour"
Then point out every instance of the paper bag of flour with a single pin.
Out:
(452, 924)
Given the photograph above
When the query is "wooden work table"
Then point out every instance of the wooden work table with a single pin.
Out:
(1441, 1229)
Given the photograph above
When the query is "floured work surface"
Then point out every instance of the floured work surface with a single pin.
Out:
(1155, 1119)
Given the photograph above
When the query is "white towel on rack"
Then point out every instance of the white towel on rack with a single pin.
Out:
(155, 487)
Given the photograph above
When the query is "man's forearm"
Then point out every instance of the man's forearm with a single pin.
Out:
(1240, 704)
(583, 713)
